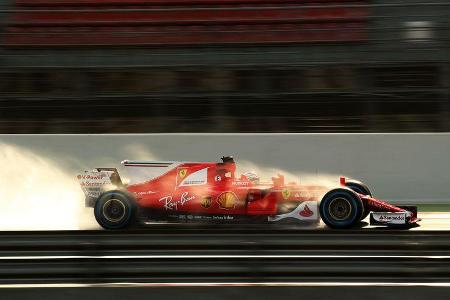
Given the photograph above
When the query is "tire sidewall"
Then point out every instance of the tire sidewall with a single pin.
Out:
(360, 188)
(122, 197)
(356, 205)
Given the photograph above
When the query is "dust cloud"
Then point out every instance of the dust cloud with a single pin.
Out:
(266, 173)
(139, 152)
(37, 194)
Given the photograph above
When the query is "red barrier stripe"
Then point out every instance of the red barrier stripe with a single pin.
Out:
(177, 17)
(164, 22)
(356, 32)
(52, 3)
(167, 29)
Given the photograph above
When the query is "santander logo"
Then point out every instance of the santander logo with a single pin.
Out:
(306, 212)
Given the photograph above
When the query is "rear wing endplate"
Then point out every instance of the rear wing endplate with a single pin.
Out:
(95, 182)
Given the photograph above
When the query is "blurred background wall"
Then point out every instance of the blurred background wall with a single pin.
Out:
(91, 66)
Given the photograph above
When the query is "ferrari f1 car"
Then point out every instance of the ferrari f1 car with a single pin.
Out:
(211, 191)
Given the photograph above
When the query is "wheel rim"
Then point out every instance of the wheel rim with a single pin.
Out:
(340, 209)
(114, 210)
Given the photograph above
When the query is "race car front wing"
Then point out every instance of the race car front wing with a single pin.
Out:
(385, 214)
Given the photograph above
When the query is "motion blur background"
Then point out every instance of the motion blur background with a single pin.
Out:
(100, 66)
(208, 66)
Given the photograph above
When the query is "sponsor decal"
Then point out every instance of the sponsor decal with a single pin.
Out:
(144, 193)
(227, 200)
(391, 218)
(240, 183)
(306, 212)
(206, 202)
(99, 176)
(218, 178)
(223, 217)
(92, 183)
(204, 217)
(197, 178)
(182, 173)
(93, 193)
(170, 204)
(286, 193)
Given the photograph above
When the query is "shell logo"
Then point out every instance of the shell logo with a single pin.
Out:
(227, 200)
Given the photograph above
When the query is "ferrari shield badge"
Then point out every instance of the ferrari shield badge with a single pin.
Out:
(182, 173)
(286, 193)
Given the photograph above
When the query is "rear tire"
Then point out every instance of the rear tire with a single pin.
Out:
(115, 210)
(360, 188)
(341, 208)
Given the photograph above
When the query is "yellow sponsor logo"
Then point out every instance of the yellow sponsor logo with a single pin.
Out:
(227, 200)
(182, 173)
(206, 202)
(286, 194)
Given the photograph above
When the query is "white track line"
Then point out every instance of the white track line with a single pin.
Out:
(216, 256)
(226, 284)
(237, 134)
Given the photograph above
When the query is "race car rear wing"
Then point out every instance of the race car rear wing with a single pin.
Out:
(95, 182)
(114, 177)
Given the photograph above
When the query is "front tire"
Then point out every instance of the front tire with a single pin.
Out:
(115, 210)
(341, 208)
(362, 189)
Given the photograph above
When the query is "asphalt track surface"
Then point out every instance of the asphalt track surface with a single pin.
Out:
(189, 261)
(433, 221)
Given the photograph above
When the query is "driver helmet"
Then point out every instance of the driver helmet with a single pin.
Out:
(252, 176)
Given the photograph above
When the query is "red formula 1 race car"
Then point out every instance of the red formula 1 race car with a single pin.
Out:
(211, 191)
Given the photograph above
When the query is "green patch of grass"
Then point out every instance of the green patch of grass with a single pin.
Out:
(433, 207)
